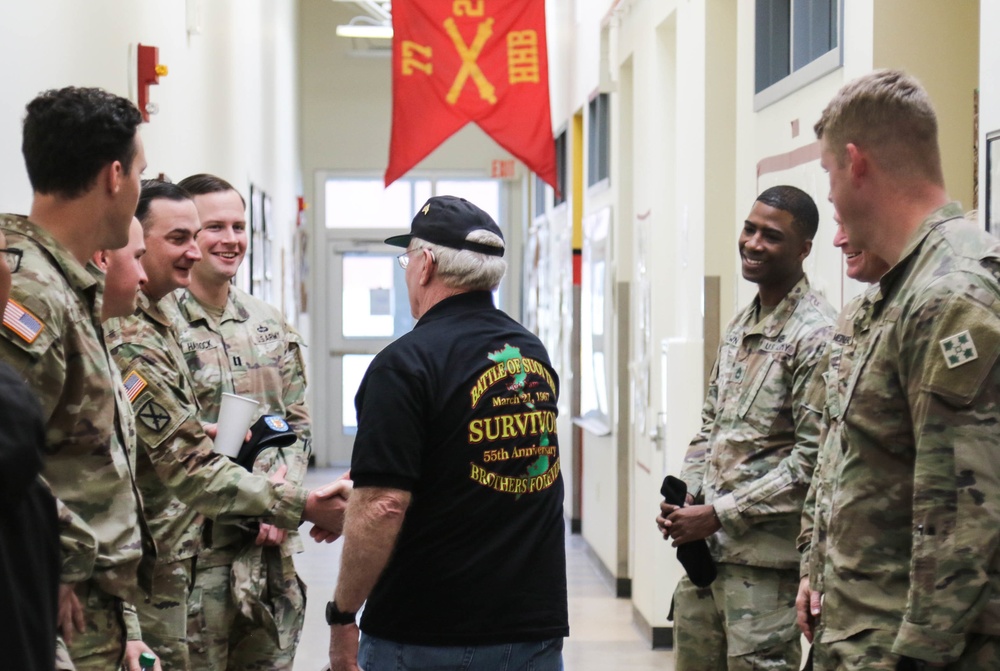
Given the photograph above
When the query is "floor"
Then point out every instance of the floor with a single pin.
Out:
(602, 635)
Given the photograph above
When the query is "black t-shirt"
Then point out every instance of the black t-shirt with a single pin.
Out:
(29, 533)
(461, 412)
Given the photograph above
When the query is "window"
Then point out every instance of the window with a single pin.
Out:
(366, 203)
(599, 139)
(539, 208)
(560, 196)
(797, 41)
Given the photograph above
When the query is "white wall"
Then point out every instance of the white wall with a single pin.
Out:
(227, 106)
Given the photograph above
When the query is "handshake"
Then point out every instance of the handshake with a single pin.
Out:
(324, 505)
(325, 508)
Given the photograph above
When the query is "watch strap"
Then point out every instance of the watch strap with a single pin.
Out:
(335, 616)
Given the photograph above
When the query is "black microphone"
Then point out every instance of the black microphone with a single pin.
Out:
(694, 556)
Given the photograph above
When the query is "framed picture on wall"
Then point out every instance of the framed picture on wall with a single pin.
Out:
(259, 244)
(992, 199)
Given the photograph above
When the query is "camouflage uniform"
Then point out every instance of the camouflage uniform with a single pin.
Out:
(181, 479)
(828, 391)
(52, 335)
(250, 351)
(914, 523)
(752, 461)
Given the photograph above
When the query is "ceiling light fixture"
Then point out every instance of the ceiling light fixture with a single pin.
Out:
(376, 32)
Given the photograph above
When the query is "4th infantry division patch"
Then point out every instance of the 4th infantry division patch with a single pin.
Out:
(959, 349)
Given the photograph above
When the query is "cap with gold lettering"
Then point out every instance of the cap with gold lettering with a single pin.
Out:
(448, 221)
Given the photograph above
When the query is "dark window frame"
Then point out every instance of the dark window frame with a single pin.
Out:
(796, 43)
(598, 139)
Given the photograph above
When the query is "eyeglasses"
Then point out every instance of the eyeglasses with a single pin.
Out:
(12, 257)
(404, 258)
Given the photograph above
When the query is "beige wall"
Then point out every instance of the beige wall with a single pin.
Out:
(227, 105)
(940, 46)
(989, 96)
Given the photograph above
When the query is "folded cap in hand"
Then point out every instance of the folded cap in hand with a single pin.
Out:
(695, 556)
(268, 431)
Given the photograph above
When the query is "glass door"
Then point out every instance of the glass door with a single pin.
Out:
(370, 310)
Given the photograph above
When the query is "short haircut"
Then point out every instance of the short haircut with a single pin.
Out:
(202, 183)
(71, 134)
(889, 114)
(796, 202)
(465, 269)
(157, 189)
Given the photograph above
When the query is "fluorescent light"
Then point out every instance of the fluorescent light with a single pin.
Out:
(369, 32)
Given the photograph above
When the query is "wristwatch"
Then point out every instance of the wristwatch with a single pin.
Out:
(335, 616)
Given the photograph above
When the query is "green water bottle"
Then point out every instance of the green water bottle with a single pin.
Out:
(147, 661)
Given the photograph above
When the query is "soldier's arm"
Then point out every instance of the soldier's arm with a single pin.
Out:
(293, 377)
(816, 396)
(696, 458)
(782, 490)
(40, 361)
(169, 431)
(78, 543)
(949, 355)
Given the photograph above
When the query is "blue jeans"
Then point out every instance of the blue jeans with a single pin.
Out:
(377, 654)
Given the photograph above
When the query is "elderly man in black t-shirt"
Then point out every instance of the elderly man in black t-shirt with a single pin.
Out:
(454, 534)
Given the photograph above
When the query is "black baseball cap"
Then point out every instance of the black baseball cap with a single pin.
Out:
(268, 431)
(447, 221)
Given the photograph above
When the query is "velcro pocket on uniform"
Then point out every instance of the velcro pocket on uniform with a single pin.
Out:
(760, 632)
(754, 407)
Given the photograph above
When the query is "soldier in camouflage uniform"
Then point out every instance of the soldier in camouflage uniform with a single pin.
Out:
(236, 343)
(749, 468)
(181, 479)
(84, 158)
(123, 274)
(847, 346)
(911, 561)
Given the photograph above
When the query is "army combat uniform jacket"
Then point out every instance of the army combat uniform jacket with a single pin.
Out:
(915, 515)
(251, 351)
(754, 456)
(836, 375)
(52, 336)
(179, 475)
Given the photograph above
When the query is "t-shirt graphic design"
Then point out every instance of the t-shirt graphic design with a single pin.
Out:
(522, 384)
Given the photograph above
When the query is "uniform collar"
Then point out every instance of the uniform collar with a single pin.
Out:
(952, 210)
(154, 310)
(79, 278)
(194, 311)
(772, 325)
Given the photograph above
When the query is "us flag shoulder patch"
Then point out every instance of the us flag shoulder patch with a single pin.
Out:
(134, 384)
(22, 322)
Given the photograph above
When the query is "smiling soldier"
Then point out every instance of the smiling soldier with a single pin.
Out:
(749, 468)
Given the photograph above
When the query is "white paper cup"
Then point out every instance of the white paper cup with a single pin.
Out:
(235, 416)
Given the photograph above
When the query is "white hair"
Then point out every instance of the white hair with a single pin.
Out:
(465, 269)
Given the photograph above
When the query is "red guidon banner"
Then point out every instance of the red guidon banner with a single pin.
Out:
(456, 61)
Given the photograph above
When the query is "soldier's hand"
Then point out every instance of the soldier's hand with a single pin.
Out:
(692, 523)
(662, 523)
(132, 651)
(70, 612)
(808, 604)
(270, 535)
(212, 430)
(278, 477)
(325, 508)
